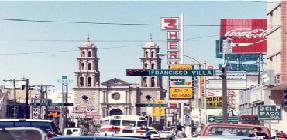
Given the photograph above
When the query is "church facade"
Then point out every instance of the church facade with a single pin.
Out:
(114, 96)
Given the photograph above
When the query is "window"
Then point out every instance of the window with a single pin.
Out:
(82, 66)
(152, 66)
(146, 54)
(116, 122)
(144, 82)
(89, 54)
(116, 96)
(152, 84)
(151, 55)
(89, 81)
(83, 54)
(81, 81)
(129, 123)
(145, 65)
(89, 66)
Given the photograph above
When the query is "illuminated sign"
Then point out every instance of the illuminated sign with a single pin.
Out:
(180, 93)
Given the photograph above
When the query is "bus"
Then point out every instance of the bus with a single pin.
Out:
(123, 125)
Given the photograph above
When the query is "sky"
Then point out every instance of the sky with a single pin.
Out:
(44, 51)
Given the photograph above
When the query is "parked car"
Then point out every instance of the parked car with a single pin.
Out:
(154, 135)
(47, 126)
(168, 135)
(74, 131)
(222, 129)
(22, 133)
(94, 138)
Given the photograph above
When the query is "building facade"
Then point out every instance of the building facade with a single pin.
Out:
(275, 78)
(87, 94)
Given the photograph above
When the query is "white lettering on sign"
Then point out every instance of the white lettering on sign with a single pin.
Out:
(172, 45)
(173, 54)
(256, 33)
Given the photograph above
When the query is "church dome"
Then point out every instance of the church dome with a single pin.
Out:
(88, 43)
(150, 43)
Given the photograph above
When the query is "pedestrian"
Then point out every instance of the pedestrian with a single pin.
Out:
(257, 132)
(282, 135)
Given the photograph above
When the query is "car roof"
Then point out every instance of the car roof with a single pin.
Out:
(93, 138)
(234, 125)
(27, 120)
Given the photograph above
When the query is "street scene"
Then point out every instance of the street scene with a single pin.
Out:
(86, 70)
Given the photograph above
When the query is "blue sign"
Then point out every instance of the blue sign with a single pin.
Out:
(219, 119)
(64, 77)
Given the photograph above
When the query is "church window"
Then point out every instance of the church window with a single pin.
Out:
(89, 81)
(152, 66)
(145, 65)
(144, 82)
(146, 54)
(81, 81)
(116, 96)
(82, 66)
(152, 84)
(89, 54)
(151, 55)
(89, 66)
(83, 54)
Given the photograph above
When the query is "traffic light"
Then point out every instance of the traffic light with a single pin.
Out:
(137, 72)
(285, 98)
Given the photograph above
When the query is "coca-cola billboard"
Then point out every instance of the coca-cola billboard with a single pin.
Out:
(246, 35)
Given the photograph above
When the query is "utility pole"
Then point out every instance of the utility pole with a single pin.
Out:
(27, 99)
(14, 96)
(43, 99)
(226, 48)
(63, 120)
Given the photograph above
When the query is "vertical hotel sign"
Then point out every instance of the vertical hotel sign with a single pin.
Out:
(171, 25)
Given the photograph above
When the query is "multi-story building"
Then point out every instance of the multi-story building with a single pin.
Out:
(275, 79)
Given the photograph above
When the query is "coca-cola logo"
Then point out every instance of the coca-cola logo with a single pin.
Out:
(255, 33)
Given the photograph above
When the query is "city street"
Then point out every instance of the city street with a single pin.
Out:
(143, 69)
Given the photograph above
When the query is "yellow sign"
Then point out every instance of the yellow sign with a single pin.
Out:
(180, 67)
(202, 82)
(180, 93)
(214, 102)
(158, 111)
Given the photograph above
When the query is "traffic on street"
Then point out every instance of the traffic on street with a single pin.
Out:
(153, 70)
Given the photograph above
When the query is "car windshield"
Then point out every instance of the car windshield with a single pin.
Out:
(229, 131)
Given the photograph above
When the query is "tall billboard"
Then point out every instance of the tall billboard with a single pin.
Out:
(248, 36)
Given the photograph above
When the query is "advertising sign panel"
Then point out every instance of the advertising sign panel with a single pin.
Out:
(180, 93)
(180, 86)
(158, 111)
(247, 35)
(169, 23)
(214, 102)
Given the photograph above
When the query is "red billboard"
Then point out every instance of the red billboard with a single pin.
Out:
(246, 35)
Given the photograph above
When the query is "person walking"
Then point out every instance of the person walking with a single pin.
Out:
(282, 135)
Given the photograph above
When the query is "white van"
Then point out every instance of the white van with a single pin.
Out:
(73, 131)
